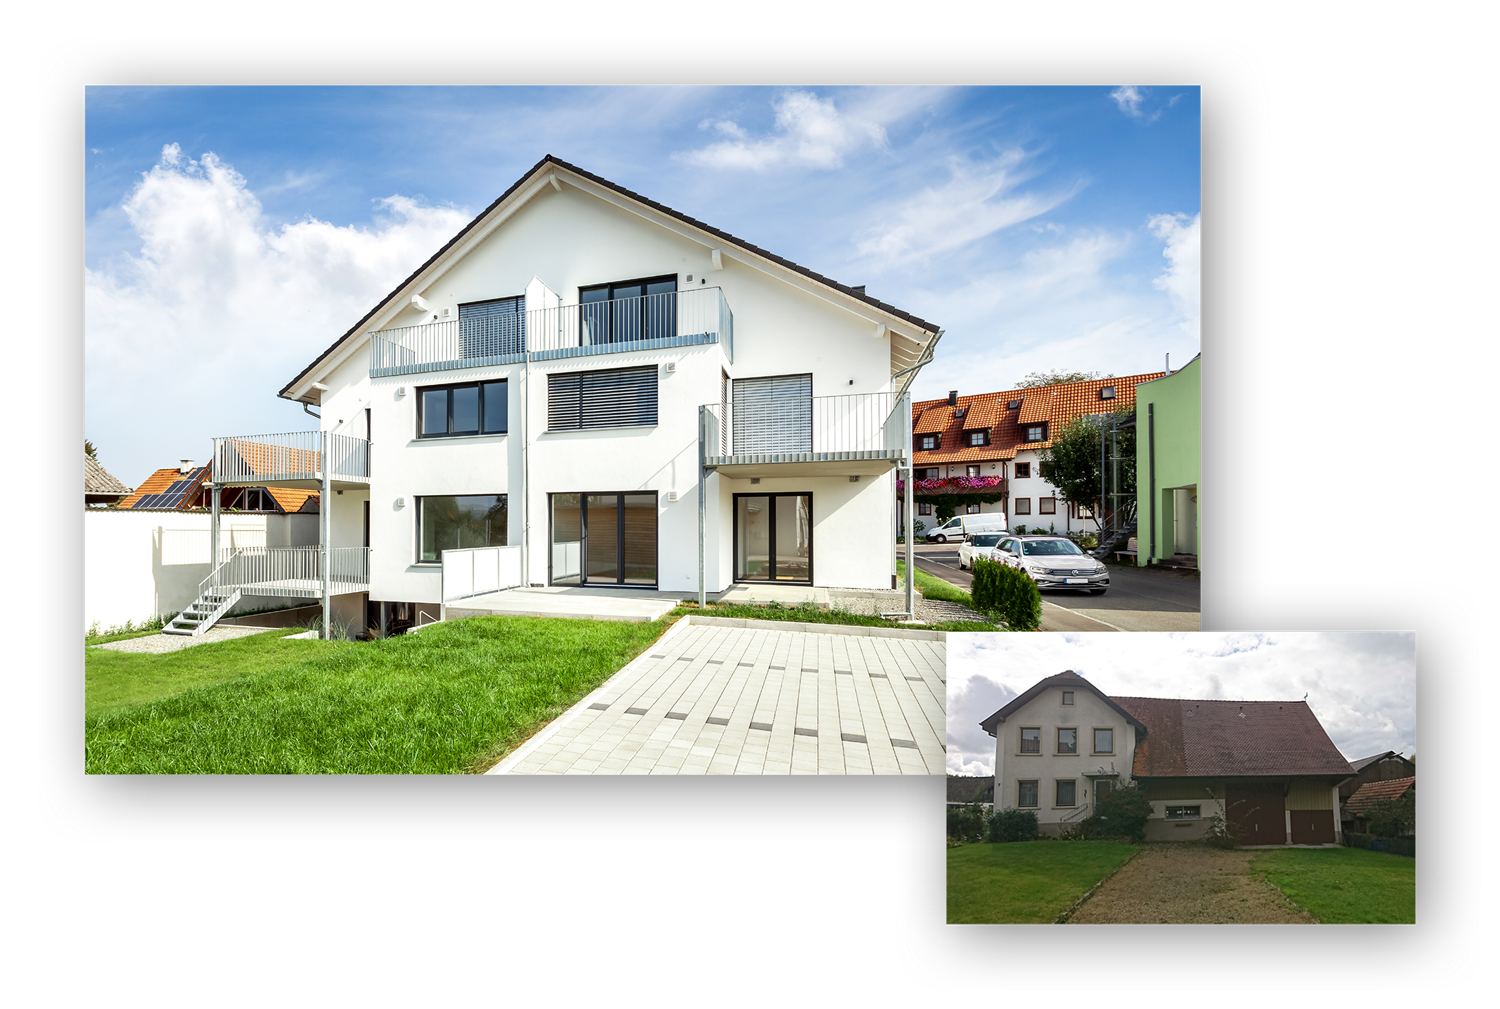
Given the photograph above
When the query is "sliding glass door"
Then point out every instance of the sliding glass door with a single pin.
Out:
(604, 539)
(773, 538)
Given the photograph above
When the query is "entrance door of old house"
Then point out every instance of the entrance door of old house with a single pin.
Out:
(1259, 812)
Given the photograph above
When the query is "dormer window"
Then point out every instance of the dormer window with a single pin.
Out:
(961, 412)
(1108, 392)
(929, 442)
(1014, 404)
(979, 438)
(1036, 432)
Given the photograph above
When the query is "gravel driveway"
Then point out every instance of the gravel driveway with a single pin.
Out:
(1189, 884)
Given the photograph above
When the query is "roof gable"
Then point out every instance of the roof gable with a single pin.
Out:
(1067, 678)
(546, 172)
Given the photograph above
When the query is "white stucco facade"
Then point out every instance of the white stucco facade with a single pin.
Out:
(557, 234)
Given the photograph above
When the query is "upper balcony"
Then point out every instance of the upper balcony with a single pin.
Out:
(789, 435)
(685, 318)
(294, 459)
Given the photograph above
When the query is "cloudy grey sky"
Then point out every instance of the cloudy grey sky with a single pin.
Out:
(1362, 685)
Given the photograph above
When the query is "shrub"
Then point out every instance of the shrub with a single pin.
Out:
(969, 822)
(1008, 593)
(1393, 817)
(1122, 813)
(1221, 832)
(1013, 825)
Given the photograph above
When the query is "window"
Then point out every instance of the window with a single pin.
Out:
(1026, 794)
(1031, 740)
(1067, 792)
(971, 470)
(1104, 740)
(972, 509)
(617, 397)
(492, 328)
(979, 437)
(1184, 812)
(961, 412)
(1067, 740)
(930, 473)
(1047, 505)
(1036, 432)
(450, 523)
(1023, 470)
(1078, 511)
(1014, 404)
(1021, 506)
(627, 311)
(1067, 696)
(924, 509)
(929, 442)
(772, 414)
(1108, 392)
(603, 539)
(452, 410)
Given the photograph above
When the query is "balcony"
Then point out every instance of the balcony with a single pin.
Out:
(957, 485)
(290, 572)
(687, 318)
(861, 434)
(294, 459)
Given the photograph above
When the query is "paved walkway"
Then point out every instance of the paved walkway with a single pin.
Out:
(1189, 884)
(717, 696)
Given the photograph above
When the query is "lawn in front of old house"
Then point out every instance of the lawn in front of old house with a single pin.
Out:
(1345, 885)
(1026, 882)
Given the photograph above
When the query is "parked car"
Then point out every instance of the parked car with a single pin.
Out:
(980, 545)
(1053, 562)
(961, 527)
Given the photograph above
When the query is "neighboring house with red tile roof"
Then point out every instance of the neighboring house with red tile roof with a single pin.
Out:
(1372, 792)
(100, 487)
(998, 438)
(184, 488)
(1267, 766)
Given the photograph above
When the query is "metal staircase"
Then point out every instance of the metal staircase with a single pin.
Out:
(204, 612)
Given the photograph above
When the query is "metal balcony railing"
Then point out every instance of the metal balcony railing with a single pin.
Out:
(684, 318)
(294, 572)
(810, 429)
(297, 455)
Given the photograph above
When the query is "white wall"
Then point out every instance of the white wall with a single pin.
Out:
(140, 564)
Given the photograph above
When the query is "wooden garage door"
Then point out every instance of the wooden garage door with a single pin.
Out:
(1312, 826)
(1259, 812)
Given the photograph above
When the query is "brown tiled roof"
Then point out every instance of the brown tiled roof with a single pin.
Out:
(981, 415)
(1188, 738)
(1058, 405)
(853, 292)
(963, 788)
(1066, 678)
(292, 500)
(98, 480)
(1363, 762)
(1372, 792)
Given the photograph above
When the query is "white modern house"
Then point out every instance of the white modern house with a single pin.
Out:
(586, 388)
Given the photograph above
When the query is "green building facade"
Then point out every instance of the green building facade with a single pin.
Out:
(1169, 442)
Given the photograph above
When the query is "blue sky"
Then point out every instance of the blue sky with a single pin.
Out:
(1362, 685)
(233, 233)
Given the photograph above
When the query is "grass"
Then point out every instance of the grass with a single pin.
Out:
(1029, 882)
(933, 587)
(1345, 885)
(813, 614)
(453, 698)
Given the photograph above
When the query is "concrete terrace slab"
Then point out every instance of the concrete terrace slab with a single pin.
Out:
(716, 696)
(638, 605)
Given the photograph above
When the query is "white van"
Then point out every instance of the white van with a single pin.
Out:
(961, 527)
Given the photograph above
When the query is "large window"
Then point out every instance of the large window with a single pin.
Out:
(627, 311)
(1067, 740)
(492, 328)
(1031, 740)
(1026, 794)
(773, 537)
(603, 539)
(448, 411)
(1067, 792)
(615, 397)
(451, 523)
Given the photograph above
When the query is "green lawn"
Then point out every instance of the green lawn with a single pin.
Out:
(812, 614)
(933, 587)
(1345, 885)
(453, 698)
(1027, 882)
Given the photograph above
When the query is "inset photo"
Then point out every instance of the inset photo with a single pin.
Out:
(1214, 778)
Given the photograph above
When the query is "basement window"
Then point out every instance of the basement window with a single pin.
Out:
(1184, 812)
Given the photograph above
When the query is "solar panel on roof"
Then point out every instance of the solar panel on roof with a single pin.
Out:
(173, 495)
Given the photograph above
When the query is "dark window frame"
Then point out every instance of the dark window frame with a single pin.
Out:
(612, 325)
(1182, 812)
(583, 496)
(978, 439)
(1036, 793)
(421, 500)
(934, 439)
(1036, 433)
(554, 388)
(735, 538)
(1058, 783)
(479, 384)
(1046, 506)
(1067, 697)
(1023, 471)
(1021, 506)
(924, 508)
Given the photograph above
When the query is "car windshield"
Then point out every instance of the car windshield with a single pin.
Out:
(985, 539)
(1049, 548)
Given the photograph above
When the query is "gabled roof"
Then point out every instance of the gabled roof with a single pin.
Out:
(1372, 792)
(98, 480)
(291, 500)
(1189, 738)
(1057, 405)
(1069, 679)
(963, 788)
(168, 488)
(1363, 762)
(549, 162)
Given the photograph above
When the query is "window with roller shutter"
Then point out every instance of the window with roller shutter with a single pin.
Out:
(772, 415)
(616, 397)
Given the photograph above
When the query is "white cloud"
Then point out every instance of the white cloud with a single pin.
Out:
(193, 334)
(1182, 279)
(811, 132)
(1129, 98)
(978, 199)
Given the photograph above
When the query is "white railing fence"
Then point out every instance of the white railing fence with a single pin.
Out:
(472, 571)
(289, 571)
(294, 455)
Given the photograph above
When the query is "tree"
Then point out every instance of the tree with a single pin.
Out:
(1072, 465)
(1037, 379)
(1393, 817)
(89, 450)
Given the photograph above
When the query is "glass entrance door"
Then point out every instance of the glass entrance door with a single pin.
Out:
(604, 539)
(773, 537)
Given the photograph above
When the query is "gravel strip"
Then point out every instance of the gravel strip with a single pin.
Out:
(873, 604)
(1189, 884)
(157, 644)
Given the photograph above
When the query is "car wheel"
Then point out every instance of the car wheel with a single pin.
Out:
(940, 539)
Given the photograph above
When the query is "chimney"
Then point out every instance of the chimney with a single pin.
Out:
(187, 465)
(953, 398)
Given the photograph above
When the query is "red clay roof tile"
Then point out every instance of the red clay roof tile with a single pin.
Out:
(1372, 792)
(1188, 738)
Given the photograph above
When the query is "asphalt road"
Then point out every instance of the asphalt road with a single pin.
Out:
(1139, 599)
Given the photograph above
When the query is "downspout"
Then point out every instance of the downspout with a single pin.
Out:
(702, 504)
(905, 401)
(526, 465)
(1151, 457)
(325, 521)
